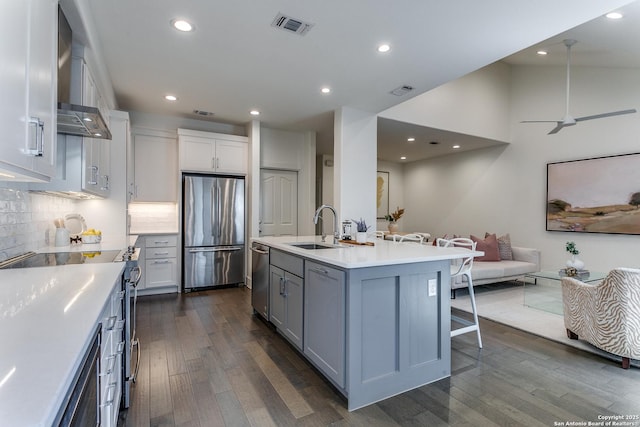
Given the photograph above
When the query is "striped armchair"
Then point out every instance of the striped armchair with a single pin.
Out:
(607, 314)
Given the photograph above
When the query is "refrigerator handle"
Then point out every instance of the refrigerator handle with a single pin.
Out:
(223, 249)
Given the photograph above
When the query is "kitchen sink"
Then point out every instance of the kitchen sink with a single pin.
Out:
(313, 245)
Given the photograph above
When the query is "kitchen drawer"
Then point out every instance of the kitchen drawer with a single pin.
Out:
(161, 272)
(160, 241)
(160, 252)
(290, 263)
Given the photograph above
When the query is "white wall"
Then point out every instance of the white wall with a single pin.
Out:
(475, 104)
(503, 189)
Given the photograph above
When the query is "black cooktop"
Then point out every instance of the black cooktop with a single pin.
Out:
(63, 258)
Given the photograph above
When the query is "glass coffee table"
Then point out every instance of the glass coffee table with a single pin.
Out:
(543, 291)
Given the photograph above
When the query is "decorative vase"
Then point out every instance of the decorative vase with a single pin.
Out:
(393, 227)
(361, 237)
(576, 263)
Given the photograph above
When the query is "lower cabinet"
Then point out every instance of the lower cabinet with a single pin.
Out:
(158, 255)
(286, 295)
(307, 305)
(111, 358)
(324, 320)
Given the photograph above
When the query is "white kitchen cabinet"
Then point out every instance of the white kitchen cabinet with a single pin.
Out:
(324, 320)
(286, 290)
(212, 152)
(112, 349)
(155, 168)
(28, 112)
(96, 161)
(160, 272)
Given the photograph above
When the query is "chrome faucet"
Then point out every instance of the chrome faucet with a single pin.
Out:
(336, 231)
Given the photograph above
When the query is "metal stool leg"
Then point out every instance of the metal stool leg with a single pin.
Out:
(470, 326)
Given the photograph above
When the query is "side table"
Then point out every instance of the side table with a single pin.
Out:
(545, 293)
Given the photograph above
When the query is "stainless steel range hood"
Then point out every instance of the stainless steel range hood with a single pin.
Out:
(81, 121)
(74, 119)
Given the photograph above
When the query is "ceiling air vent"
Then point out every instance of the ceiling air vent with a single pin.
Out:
(291, 25)
(402, 90)
(202, 113)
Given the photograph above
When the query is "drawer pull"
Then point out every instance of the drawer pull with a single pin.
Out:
(161, 253)
(111, 323)
(320, 271)
(162, 261)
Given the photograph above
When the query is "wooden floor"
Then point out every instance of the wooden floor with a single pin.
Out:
(207, 361)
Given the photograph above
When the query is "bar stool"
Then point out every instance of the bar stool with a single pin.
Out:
(459, 270)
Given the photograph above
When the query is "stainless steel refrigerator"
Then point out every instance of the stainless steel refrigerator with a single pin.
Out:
(213, 226)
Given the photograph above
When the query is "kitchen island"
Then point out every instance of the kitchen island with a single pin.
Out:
(375, 320)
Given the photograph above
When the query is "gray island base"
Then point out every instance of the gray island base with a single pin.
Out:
(375, 321)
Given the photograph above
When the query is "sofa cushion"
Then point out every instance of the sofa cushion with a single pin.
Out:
(504, 246)
(516, 268)
(489, 246)
(487, 270)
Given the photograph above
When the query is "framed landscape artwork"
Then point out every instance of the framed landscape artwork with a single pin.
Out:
(599, 195)
(382, 194)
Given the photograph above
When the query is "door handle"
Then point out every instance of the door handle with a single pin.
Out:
(225, 249)
(261, 252)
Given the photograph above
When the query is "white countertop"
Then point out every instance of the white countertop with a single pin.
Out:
(47, 315)
(356, 256)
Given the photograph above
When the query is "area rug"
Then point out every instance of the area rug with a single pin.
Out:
(504, 303)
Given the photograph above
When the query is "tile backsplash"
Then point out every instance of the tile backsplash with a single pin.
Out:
(26, 219)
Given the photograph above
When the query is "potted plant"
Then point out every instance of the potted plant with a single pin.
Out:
(574, 262)
(361, 230)
(393, 218)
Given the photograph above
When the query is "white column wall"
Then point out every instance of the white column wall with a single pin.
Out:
(355, 152)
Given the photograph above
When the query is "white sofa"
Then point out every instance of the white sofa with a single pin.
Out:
(525, 260)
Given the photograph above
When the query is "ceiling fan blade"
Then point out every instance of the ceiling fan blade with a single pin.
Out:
(600, 116)
(557, 128)
(539, 121)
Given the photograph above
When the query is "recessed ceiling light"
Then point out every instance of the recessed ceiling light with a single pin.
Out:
(171, 97)
(411, 139)
(182, 25)
(403, 158)
(325, 90)
(455, 147)
(97, 135)
(542, 52)
(254, 112)
(614, 15)
(384, 48)
(87, 119)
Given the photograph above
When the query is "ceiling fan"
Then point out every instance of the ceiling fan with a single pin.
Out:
(568, 120)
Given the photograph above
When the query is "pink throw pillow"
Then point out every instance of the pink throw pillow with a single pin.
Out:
(489, 246)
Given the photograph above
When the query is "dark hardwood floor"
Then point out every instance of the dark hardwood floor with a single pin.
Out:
(207, 361)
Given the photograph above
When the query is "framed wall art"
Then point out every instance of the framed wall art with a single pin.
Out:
(598, 195)
(382, 195)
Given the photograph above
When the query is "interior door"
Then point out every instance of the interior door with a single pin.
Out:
(278, 203)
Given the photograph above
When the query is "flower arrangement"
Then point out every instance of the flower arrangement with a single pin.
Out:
(571, 248)
(395, 216)
(361, 226)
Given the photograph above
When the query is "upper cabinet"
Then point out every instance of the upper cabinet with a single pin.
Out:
(96, 161)
(28, 90)
(212, 152)
(156, 167)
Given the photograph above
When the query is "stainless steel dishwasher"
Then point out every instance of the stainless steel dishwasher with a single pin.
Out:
(260, 279)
